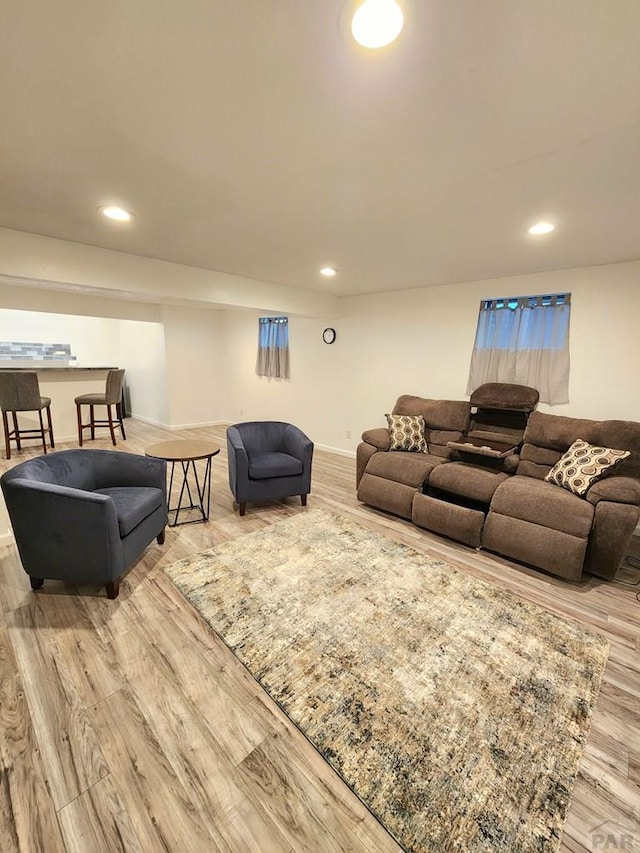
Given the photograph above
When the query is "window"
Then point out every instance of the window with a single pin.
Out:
(273, 347)
(525, 340)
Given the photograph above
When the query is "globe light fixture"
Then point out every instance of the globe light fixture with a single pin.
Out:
(376, 23)
(328, 272)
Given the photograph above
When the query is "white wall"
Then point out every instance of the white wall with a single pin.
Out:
(420, 342)
(196, 366)
(94, 341)
(142, 349)
(313, 396)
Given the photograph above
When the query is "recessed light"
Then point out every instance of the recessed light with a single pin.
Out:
(329, 272)
(377, 23)
(542, 228)
(117, 213)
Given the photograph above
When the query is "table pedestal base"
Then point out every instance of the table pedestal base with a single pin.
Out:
(199, 488)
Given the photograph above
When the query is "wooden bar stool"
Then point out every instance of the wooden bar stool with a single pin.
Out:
(20, 392)
(111, 397)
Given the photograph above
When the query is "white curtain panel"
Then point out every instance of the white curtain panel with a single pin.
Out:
(524, 340)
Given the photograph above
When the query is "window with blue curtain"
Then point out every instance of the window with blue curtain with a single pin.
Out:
(273, 347)
(524, 340)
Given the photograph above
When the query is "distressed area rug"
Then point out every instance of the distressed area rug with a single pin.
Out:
(455, 711)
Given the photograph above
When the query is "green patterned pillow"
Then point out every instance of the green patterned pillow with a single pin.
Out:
(407, 433)
(583, 465)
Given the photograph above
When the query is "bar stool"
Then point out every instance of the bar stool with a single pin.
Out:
(20, 392)
(111, 397)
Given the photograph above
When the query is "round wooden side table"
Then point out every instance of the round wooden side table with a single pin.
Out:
(187, 452)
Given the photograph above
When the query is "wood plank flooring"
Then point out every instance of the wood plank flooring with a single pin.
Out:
(127, 725)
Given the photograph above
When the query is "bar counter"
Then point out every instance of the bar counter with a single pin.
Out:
(39, 367)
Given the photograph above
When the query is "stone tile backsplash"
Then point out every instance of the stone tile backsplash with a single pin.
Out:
(21, 351)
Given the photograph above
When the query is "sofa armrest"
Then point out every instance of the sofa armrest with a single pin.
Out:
(238, 460)
(379, 438)
(623, 490)
(64, 532)
(298, 444)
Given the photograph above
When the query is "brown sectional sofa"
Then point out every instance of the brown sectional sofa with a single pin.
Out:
(505, 505)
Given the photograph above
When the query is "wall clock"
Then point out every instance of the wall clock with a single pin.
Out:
(329, 336)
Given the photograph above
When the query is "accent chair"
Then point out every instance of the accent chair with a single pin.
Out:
(268, 460)
(85, 516)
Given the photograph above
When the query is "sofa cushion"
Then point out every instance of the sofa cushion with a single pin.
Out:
(583, 465)
(543, 504)
(467, 480)
(263, 466)
(133, 504)
(387, 495)
(412, 469)
(557, 432)
(437, 414)
(407, 433)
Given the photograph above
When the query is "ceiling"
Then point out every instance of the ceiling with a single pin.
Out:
(256, 138)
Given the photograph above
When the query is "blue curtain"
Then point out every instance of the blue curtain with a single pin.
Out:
(273, 347)
(524, 340)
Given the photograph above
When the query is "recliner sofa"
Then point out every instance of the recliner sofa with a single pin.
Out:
(503, 503)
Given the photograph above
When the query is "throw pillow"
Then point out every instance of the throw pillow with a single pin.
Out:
(583, 465)
(407, 433)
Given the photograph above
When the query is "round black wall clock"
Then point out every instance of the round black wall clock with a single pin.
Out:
(329, 336)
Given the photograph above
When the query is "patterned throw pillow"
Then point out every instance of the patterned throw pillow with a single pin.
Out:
(407, 432)
(583, 465)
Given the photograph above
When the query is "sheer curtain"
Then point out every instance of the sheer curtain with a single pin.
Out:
(273, 347)
(524, 340)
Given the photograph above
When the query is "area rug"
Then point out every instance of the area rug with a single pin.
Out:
(454, 710)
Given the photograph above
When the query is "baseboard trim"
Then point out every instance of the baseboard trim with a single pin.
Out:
(350, 454)
(148, 421)
(198, 425)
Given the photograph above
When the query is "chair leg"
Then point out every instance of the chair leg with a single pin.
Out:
(50, 427)
(92, 419)
(113, 589)
(79, 417)
(110, 419)
(16, 431)
(7, 443)
(120, 417)
(303, 500)
(42, 433)
(36, 583)
(243, 508)
(160, 537)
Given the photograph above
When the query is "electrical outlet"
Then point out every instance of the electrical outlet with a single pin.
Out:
(348, 434)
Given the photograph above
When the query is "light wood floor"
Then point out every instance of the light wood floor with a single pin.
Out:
(128, 725)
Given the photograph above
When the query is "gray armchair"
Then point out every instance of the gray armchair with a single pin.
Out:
(85, 516)
(267, 460)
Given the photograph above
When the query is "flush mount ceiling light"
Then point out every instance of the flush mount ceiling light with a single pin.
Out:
(377, 23)
(328, 272)
(541, 228)
(117, 213)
